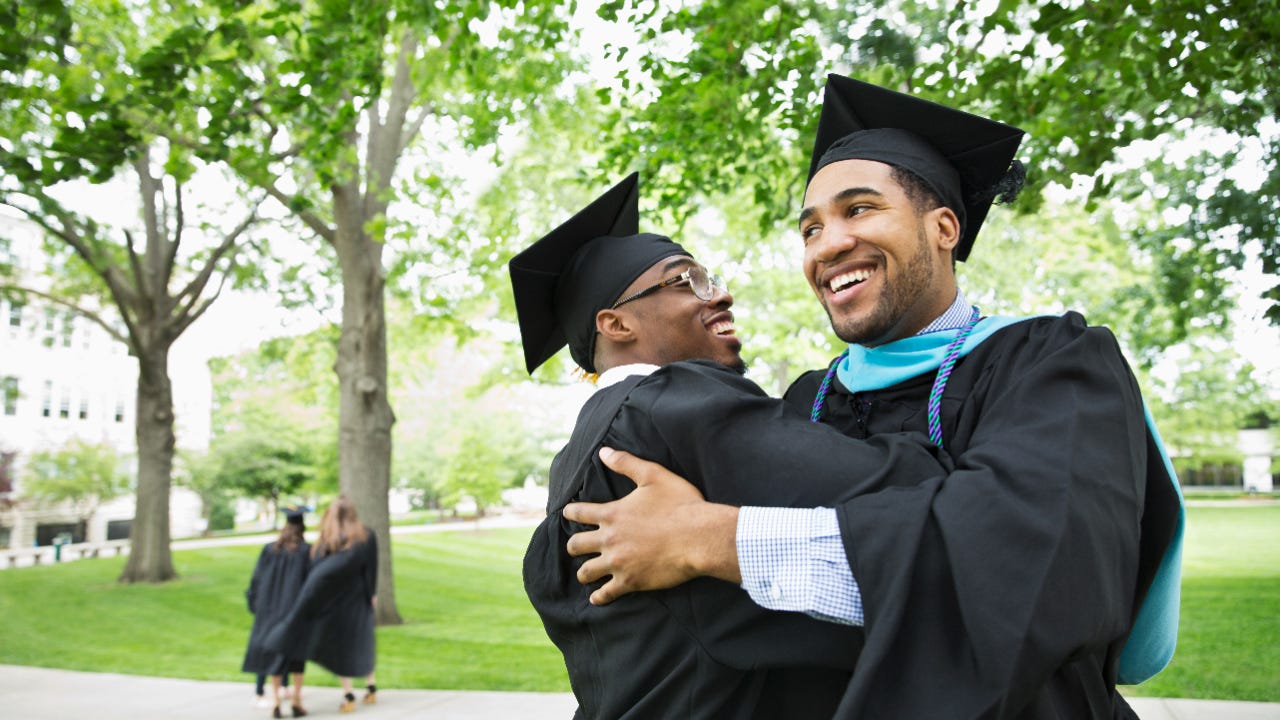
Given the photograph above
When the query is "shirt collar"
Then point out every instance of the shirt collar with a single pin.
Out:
(617, 374)
(953, 317)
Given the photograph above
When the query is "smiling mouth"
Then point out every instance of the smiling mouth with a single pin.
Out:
(846, 280)
(721, 327)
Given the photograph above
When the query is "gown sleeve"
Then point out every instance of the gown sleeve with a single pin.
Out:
(370, 569)
(741, 447)
(251, 594)
(982, 583)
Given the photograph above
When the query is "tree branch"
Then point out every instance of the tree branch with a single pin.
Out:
(190, 294)
(78, 309)
(192, 313)
(258, 179)
(151, 282)
(121, 293)
(385, 139)
(309, 218)
(415, 127)
(135, 267)
(179, 224)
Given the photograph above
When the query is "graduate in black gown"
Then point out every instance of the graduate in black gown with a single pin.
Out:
(1038, 572)
(638, 309)
(277, 581)
(332, 622)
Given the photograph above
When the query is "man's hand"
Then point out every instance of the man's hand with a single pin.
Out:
(660, 535)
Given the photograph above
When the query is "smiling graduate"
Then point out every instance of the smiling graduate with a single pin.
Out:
(657, 327)
(1032, 577)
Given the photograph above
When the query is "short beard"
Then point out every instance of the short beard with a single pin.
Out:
(882, 325)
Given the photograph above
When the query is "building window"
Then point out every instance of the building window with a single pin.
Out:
(64, 405)
(68, 328)
(119, 411)
(15, 314)
(84, 408)
(50, 327)
(10, 390)
(46, 404)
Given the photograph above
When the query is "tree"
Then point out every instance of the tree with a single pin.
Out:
(81, 474)
(492, 451)
(274, 415)
(1201, 408)
(1089, 81)
(324, 107)
(255, 467)
(68, 121)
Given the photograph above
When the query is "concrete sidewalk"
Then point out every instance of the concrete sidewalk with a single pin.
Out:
(28, 693)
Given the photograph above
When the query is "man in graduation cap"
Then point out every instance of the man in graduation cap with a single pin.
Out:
(653, 323)
(1023, 583)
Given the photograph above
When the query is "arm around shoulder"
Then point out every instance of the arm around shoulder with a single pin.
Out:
(660, 535)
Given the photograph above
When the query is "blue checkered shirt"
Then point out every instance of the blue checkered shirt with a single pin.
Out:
(793, 559)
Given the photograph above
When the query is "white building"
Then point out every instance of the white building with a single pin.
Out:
(63, 377)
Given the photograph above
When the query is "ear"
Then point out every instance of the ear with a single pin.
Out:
(945, 227)
(615, 326)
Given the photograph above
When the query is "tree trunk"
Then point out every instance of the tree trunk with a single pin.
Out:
(364, 411)
(149, 557)
(781, 376)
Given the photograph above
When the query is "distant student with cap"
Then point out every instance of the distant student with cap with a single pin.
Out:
(1031, 578)
(657, 327)
(277, 581)
(332, 622)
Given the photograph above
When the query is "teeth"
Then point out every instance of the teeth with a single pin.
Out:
(844, 280)
(724, 327)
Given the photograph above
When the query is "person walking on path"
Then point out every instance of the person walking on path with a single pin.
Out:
(277, 582)
(332, 623)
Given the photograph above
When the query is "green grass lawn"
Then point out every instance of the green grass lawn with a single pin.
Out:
(469, 626)
(1229, 636)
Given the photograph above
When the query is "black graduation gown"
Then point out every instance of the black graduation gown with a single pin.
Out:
(704, 649)
(277, 580)
(332, 623)
(1006, 588)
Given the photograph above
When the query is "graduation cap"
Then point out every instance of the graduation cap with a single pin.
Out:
(964, 158)
(294, 513)
(561, 281)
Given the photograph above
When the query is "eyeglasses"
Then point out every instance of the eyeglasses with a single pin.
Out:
(702, 284)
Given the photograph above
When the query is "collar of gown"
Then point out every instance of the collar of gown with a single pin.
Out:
(617, 374)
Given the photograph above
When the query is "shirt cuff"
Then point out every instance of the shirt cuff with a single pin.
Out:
(793, 559)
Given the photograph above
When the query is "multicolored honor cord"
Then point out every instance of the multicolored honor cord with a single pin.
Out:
(944, 373)
(939, 381)
(826, 384)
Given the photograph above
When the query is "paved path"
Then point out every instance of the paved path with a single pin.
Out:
(28, 693)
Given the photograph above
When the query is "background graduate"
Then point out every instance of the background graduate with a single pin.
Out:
(1038, 572)
(277, 581)
(332, 621)
(658, 328)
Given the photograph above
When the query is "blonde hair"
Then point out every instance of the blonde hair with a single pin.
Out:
(340, 528)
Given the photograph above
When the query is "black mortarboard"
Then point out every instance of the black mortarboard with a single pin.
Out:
(561, 281)
(962, 157)
(294, 513)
